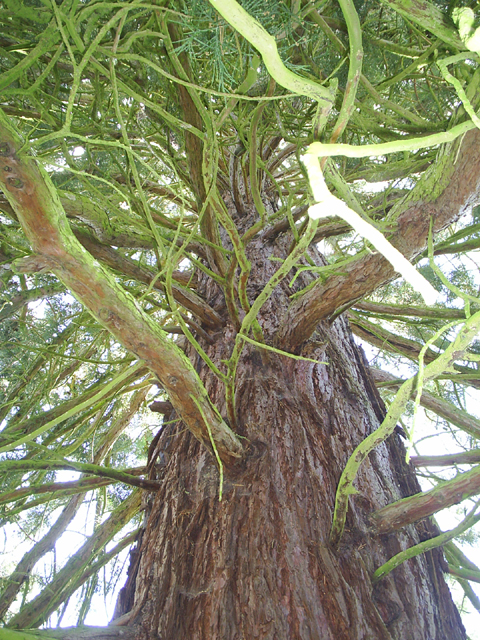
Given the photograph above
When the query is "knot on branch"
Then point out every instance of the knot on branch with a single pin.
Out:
(34, 263)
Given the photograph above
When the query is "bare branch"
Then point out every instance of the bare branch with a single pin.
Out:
(465, 457)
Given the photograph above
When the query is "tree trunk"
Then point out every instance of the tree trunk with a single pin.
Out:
(258, 564)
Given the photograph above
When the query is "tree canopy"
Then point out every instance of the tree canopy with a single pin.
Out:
(126, 129)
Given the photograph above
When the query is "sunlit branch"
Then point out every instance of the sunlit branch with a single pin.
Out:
(444, 362)
(327, 204)
(438, 193)
(36, 203)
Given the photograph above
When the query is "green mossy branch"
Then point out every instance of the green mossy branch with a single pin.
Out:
(444, 362)
(37, 611)
(427, 545)
(429, 17)
(253, 31)
(36, 203)
(321, 150)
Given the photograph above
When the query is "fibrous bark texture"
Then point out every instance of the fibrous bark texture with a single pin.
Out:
(257, 564)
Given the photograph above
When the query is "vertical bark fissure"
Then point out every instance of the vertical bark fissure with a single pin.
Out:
(258, 564)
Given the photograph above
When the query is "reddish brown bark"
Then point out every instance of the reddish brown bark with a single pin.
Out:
(397, 515)
(258, 564)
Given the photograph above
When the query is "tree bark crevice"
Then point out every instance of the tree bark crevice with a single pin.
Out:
(258, 564)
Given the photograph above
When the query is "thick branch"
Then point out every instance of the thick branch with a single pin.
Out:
(443, 193)
(384, 339)
(35, 201)
(399, 514)
(467, 574)
(66, 488)
(430, 18)
(161, 407)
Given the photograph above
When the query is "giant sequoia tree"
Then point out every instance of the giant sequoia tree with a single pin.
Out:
(209, 198)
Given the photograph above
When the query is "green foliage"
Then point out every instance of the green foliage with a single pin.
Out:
(36, 11)
(98, 92)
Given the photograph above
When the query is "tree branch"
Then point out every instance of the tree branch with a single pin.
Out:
(441, 407)
(66, 488)
(443, 193)
(410, 310)
(464, 457)
(398, 514)
(384, 339)
(387, 341)
(35, 612)
(183, 296)
(35, 201)
(94, 469)
(442, 363)
(24, 298)
(429, 17)
(24, 568)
